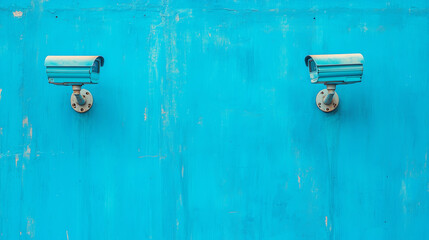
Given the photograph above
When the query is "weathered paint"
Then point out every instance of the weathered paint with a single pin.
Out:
(204, 124)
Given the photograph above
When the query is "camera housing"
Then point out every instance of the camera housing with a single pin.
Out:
(75, 71)
(332, 70)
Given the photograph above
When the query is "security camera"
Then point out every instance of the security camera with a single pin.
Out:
(332, 70)
(75, 71)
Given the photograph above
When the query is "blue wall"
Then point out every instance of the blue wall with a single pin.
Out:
(204, 123)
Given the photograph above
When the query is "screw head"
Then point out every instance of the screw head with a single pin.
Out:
(74, 105)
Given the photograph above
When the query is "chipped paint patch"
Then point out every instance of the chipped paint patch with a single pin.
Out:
(145, 113)
(326, 221)
(0, 92)
(299, 181)
(25, 122)
(30, 227)
(16, 160)
(30, 134)
(27, 152)
(67, 234)
(1, 131)
(183, 170)
(17, 14)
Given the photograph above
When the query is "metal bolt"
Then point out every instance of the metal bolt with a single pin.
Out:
(327, 109)
(81, 109)
(87, 93)
(83, 96)
(321, 92)
(89, 105)
(74, 105)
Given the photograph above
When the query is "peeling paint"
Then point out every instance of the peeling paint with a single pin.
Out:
(17, 14)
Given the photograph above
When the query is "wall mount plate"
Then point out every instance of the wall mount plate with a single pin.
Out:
(88, 101)
(322, 106)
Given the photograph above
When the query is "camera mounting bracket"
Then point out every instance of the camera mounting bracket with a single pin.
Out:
(81, 99)
(327, 99)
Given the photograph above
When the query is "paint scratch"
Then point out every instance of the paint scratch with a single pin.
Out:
(299, 182)
(16, 160)
(67, 234)
(0, 92)
(17, 14)
(145, 113)
(326, 221)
